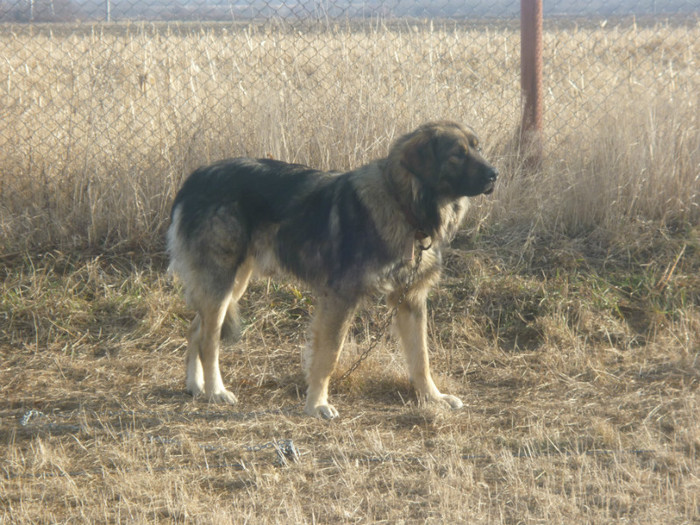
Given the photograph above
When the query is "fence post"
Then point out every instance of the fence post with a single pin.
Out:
(531, 79)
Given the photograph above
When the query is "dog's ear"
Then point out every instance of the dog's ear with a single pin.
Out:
(419, 157)
(425, 208)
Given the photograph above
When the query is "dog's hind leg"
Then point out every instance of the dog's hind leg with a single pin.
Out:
(207, 339)
(203, 373)
(230, 330)
(411, 321)
(194, 382)
(328, 330)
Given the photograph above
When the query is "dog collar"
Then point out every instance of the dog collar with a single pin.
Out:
(417, 235)
(422, 239)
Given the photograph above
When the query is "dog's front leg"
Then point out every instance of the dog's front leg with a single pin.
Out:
(411, 320)
(328, 330)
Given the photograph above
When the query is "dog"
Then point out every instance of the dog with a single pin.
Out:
(345, 235)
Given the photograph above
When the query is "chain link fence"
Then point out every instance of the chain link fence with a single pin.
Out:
(106, 104)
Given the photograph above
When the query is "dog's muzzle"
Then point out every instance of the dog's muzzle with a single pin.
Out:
(491, 177)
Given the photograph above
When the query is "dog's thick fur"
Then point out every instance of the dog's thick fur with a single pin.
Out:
(345, 235)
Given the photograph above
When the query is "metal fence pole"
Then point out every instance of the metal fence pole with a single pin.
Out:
(531, 79)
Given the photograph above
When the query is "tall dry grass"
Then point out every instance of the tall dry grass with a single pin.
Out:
(100, 124)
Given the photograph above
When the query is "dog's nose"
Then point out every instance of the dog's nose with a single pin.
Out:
(493, 175)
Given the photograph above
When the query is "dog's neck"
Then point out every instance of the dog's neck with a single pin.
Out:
(395, 193)
(418, 233)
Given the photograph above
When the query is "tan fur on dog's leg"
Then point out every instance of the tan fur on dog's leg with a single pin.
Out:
(243, 274)
(328, 330)
(194, 381)
(411, 322)
(211, 319)
(202, 361)
(231, 329)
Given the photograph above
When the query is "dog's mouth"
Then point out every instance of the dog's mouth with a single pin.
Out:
(488, 189)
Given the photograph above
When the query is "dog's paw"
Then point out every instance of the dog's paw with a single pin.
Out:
(223, 396)
(194, 378)
(454, 402)
(322, 411)
(194, 389)
(443, 400)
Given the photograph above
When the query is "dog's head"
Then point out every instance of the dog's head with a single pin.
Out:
(446, 159)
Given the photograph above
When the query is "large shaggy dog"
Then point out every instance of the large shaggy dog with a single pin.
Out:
(345, 235)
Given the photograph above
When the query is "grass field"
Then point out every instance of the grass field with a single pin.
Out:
(567, 319)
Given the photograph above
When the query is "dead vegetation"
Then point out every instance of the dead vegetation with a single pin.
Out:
(101, 123)
(567, 318)
(581, 393)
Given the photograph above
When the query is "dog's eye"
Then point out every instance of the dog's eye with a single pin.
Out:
(476, 145)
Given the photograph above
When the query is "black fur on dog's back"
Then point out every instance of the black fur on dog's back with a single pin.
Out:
(262, 190)
(323, 232)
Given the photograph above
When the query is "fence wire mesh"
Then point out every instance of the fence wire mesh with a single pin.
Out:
(105, 104)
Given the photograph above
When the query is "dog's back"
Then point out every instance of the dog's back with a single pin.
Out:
(252, 190)
(304, 222)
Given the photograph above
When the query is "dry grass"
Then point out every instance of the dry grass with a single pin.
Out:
(100, 124)
(581, 389)
(567, 319)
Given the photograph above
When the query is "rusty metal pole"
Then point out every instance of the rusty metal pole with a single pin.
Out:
(531, 80)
